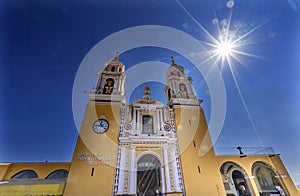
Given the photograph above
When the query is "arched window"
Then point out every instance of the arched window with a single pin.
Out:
(113, 68)
(25, 174)
(58, 174)
(266, 179)
(234, 180)
(148, 176)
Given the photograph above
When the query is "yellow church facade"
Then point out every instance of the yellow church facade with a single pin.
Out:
(147, 148)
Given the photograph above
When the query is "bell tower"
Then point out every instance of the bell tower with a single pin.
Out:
(197, 155)
(94, 159)
(111, 82)
(179, 89)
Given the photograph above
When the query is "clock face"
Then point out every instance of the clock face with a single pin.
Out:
(100, 126)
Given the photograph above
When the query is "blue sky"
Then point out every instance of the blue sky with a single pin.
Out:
(44, 43)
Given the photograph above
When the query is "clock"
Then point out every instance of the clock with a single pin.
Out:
(100, 126)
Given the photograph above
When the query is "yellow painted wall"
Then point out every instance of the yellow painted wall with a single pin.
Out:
(102, 146)
(3, 169)
(196, 150)
(36, 189)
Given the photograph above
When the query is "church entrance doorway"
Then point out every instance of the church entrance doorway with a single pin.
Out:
(148, 176)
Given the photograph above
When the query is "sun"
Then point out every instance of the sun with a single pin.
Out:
(225, 48)
(228, 44)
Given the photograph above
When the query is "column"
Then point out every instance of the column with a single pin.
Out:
(168, 184)
(175, 170)
(162, 180)
(138, 126)
(121, 176)
(119, 83)
(132, 178)
(122, 77)
(134, 119)
(158, 120)
(161, 120)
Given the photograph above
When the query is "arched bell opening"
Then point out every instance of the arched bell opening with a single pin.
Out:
(235, 180)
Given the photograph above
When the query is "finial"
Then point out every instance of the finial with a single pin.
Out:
(172, 59)
(117, 56)
(147, 89)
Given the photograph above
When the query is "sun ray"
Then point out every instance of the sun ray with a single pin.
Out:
(191, 16)
(244, 64)
(244, 104)
(245, 54)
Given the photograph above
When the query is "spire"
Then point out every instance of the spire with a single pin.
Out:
(114, 65)
(178, 67)
(116, 57)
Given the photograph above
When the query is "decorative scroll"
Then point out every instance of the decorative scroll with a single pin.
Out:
(167, 127)
(128, 126)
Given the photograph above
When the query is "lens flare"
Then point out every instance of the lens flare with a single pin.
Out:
(225, 48)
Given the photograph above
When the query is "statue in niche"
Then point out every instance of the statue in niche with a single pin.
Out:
(262, 179)
(183, 91)
(109, 86)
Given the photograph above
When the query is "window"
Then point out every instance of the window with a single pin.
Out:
(25, 174)
(266, 180)
(62, 173)
(147, 124)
